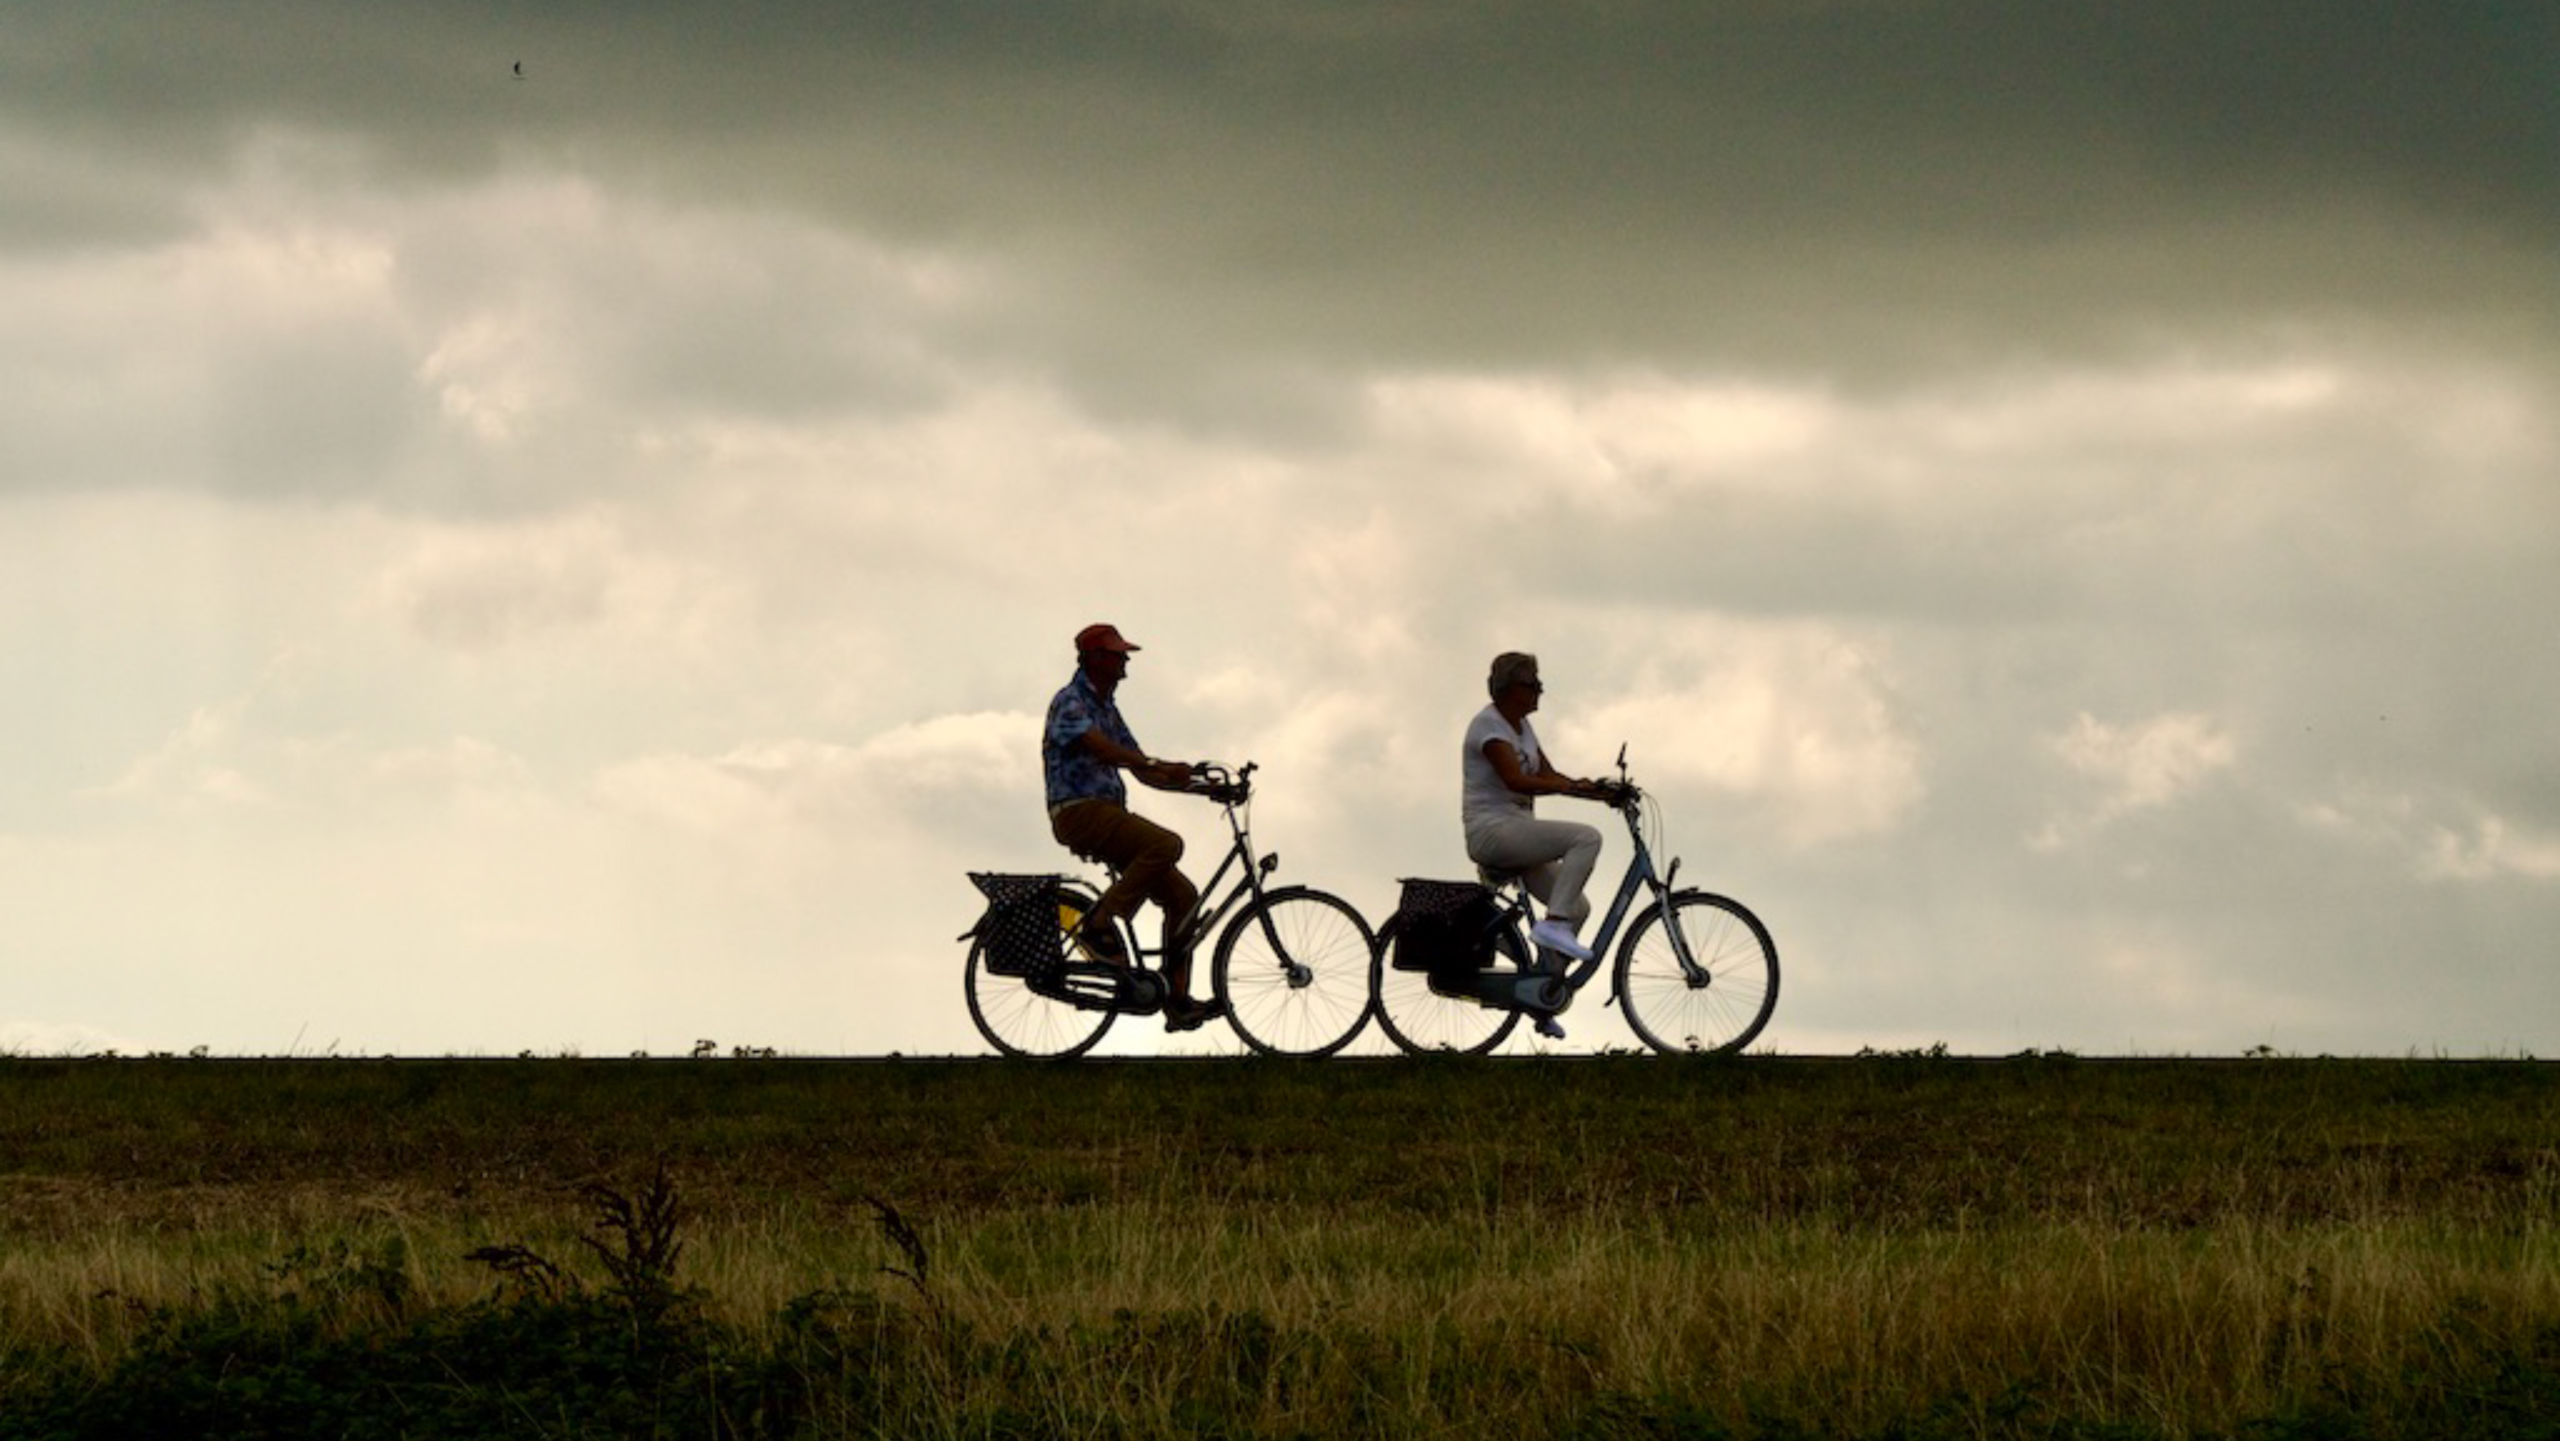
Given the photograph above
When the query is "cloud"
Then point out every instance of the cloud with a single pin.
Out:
(2138, 766)
(223, 761)
(1188, 212)
(2146, 764)
(194, 767)
(483, 588)
(930, 778)
(2493, 849)
(1616, 442)
(265, 362)
(1794, 724)
(2438, 837)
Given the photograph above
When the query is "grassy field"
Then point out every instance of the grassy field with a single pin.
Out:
(1639, 1247)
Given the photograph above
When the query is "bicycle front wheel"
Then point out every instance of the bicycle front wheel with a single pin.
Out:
(1720, 1007)
(1425, 1022)
(1020, 1021)
(1294, 972)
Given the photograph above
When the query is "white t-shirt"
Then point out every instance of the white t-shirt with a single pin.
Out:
(1481, 794)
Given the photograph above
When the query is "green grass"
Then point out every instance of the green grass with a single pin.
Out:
(1639, 1247)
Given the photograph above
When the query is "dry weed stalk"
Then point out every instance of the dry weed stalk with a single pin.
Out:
(895, 1229)
(641, 1256)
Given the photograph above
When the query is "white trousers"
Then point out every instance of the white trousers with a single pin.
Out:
(1554, 857)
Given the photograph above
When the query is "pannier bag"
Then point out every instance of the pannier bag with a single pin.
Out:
(1021, 929)
(1444, 928)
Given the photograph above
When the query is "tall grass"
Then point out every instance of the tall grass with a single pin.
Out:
(1631, 1248)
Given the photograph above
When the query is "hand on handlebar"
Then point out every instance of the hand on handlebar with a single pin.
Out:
(1617, 794)
(1219, 784)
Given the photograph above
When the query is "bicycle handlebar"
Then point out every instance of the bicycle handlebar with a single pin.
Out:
(1227, 787)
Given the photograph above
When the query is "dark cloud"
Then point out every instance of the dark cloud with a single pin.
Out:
(1445, 180)
(1226, 219)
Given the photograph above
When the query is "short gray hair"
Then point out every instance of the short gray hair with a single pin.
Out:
(1509, 669)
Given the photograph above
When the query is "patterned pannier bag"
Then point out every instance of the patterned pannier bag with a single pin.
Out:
(1444, 928)
(1021, 929)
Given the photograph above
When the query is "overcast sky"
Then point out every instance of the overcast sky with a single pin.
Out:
(2061, 500)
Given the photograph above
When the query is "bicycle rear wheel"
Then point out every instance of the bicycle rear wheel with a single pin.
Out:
(1425, 1022)
(1724, 1006)
(1020, 1021)
(1294, 972)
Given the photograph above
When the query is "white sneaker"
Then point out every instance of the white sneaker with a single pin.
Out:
(1551, 1028)
(1555, 935)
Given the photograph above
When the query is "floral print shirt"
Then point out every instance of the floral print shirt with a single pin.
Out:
(1073, 772)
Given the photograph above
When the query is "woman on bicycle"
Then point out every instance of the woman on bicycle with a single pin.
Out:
(1503, 772)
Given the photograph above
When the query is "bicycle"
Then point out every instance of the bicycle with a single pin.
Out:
(1698, 972)
(1291, 964)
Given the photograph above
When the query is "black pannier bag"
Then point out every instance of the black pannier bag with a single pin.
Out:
(1020, 929)
(1444, 929)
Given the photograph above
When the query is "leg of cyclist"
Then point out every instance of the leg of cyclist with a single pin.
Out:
(1555, 858)
(1148, 858)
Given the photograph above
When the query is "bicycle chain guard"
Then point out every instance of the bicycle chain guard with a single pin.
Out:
(1537, 992)
(1094, 987)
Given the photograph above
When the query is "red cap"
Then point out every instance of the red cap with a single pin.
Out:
(1098, 637)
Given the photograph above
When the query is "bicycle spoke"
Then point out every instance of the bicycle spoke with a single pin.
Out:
(1424, 1022)
(1020, 1021)
(1308, 994)
(1723, 1003)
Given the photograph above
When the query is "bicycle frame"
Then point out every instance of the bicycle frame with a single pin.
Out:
(1640, 879)
(1234, 794)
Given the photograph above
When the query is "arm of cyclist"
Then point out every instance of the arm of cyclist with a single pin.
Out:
(1163, 775)
(1545, 780)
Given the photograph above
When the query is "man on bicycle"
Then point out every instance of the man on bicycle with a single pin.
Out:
(1083, 750)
